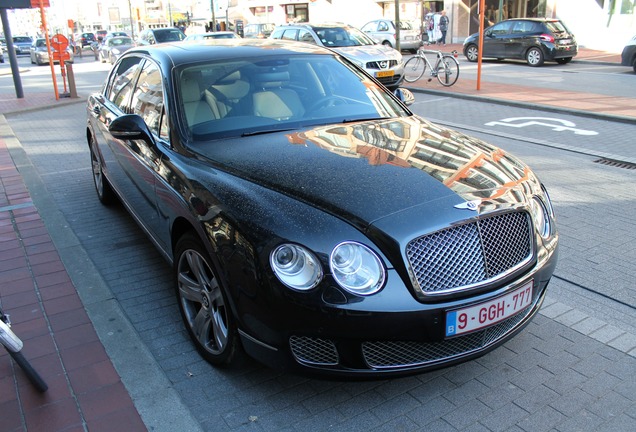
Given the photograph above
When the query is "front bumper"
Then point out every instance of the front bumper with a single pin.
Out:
(397, 340)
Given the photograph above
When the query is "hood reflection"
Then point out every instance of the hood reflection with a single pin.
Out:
(468, 166)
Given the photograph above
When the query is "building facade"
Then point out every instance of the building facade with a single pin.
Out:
(597, 24)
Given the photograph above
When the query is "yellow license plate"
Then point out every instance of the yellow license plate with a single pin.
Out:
(384, 74)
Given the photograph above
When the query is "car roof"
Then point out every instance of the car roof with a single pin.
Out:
(177, 53)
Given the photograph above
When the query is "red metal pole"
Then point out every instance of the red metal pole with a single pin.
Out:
(48, 48)
(482, 12)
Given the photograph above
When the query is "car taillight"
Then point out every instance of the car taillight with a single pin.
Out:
(547, 38)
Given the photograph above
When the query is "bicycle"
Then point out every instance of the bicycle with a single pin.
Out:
(14, 345)
(446, 67)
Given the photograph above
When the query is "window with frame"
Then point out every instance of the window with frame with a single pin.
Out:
(289, 34)
(122, 82)
(147, 100)
(305, 36)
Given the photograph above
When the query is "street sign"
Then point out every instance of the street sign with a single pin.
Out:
(59, 42)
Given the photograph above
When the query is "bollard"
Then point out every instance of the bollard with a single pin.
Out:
(71, 79)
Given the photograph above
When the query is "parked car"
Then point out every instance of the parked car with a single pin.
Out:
(160, 35)
(40, 55)
(85, 39)
(258, 30)
(532, 39)
(381, 61)
(383, 31)
(628, 56)
(212, 35)
(114, 47)
(114, 34)
(100, 35)
(22, 44)
(310, 217)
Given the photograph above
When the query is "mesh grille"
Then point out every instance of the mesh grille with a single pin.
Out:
(384, 354)
(313, 350)
(472, 253)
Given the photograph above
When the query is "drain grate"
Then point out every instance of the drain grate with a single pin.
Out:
(616, 163)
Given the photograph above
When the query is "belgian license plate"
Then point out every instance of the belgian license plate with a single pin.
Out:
(565, 41)
(486, 314)
(384, 74)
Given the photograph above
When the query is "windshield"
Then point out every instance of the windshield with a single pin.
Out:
(342, 37)
(251, 96)
(556, 26)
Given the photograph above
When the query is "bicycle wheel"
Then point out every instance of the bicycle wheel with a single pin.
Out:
(448, 71)
(414, 68)
(28, 370)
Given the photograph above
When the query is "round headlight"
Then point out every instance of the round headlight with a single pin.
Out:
(357, 268)
(541, 216)
(296, 267)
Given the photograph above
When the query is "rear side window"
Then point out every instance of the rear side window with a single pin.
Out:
(525, 27)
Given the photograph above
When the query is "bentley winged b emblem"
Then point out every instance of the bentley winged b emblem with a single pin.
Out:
(469, 205)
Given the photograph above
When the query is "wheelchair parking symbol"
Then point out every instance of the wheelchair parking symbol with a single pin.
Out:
(557, 125)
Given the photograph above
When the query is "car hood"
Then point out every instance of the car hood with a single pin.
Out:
(370, 170)
(367, 53)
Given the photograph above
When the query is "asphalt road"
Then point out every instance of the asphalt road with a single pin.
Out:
(572, 368)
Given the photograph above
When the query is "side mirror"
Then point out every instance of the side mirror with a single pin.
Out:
(130, 127)
(405, 95)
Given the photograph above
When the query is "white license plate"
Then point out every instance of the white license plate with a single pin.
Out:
(408, 37)
(565, 41)
(486, 314)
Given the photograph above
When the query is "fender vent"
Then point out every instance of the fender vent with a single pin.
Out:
(616, 163)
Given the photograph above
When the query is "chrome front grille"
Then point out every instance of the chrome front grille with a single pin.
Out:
(395, 354)
(313, 350)
(467, 255)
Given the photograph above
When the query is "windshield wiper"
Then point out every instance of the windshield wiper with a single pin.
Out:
(266, 131)
(363, 119)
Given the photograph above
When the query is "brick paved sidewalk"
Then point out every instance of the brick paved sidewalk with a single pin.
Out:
(85, 392)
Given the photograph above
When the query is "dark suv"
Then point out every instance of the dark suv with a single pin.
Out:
(534, 40)
(86, 39)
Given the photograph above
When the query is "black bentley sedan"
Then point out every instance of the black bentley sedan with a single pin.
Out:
(310, 218)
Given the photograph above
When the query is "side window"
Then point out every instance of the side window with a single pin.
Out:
(122, 81)
(383, 26)
(147, 100)
(289, 34)
(305, 36)
(276, 34)
(369, 27)
(500, 29)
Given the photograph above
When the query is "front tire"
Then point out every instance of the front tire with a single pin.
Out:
(472, 53)
(534, 57)
(634, 65)
(203, 304)
(414, 69)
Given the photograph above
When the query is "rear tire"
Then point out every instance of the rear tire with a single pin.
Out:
(534, 57)
(414, 69)
(634, 65)
(448, 71)
(28, 370)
